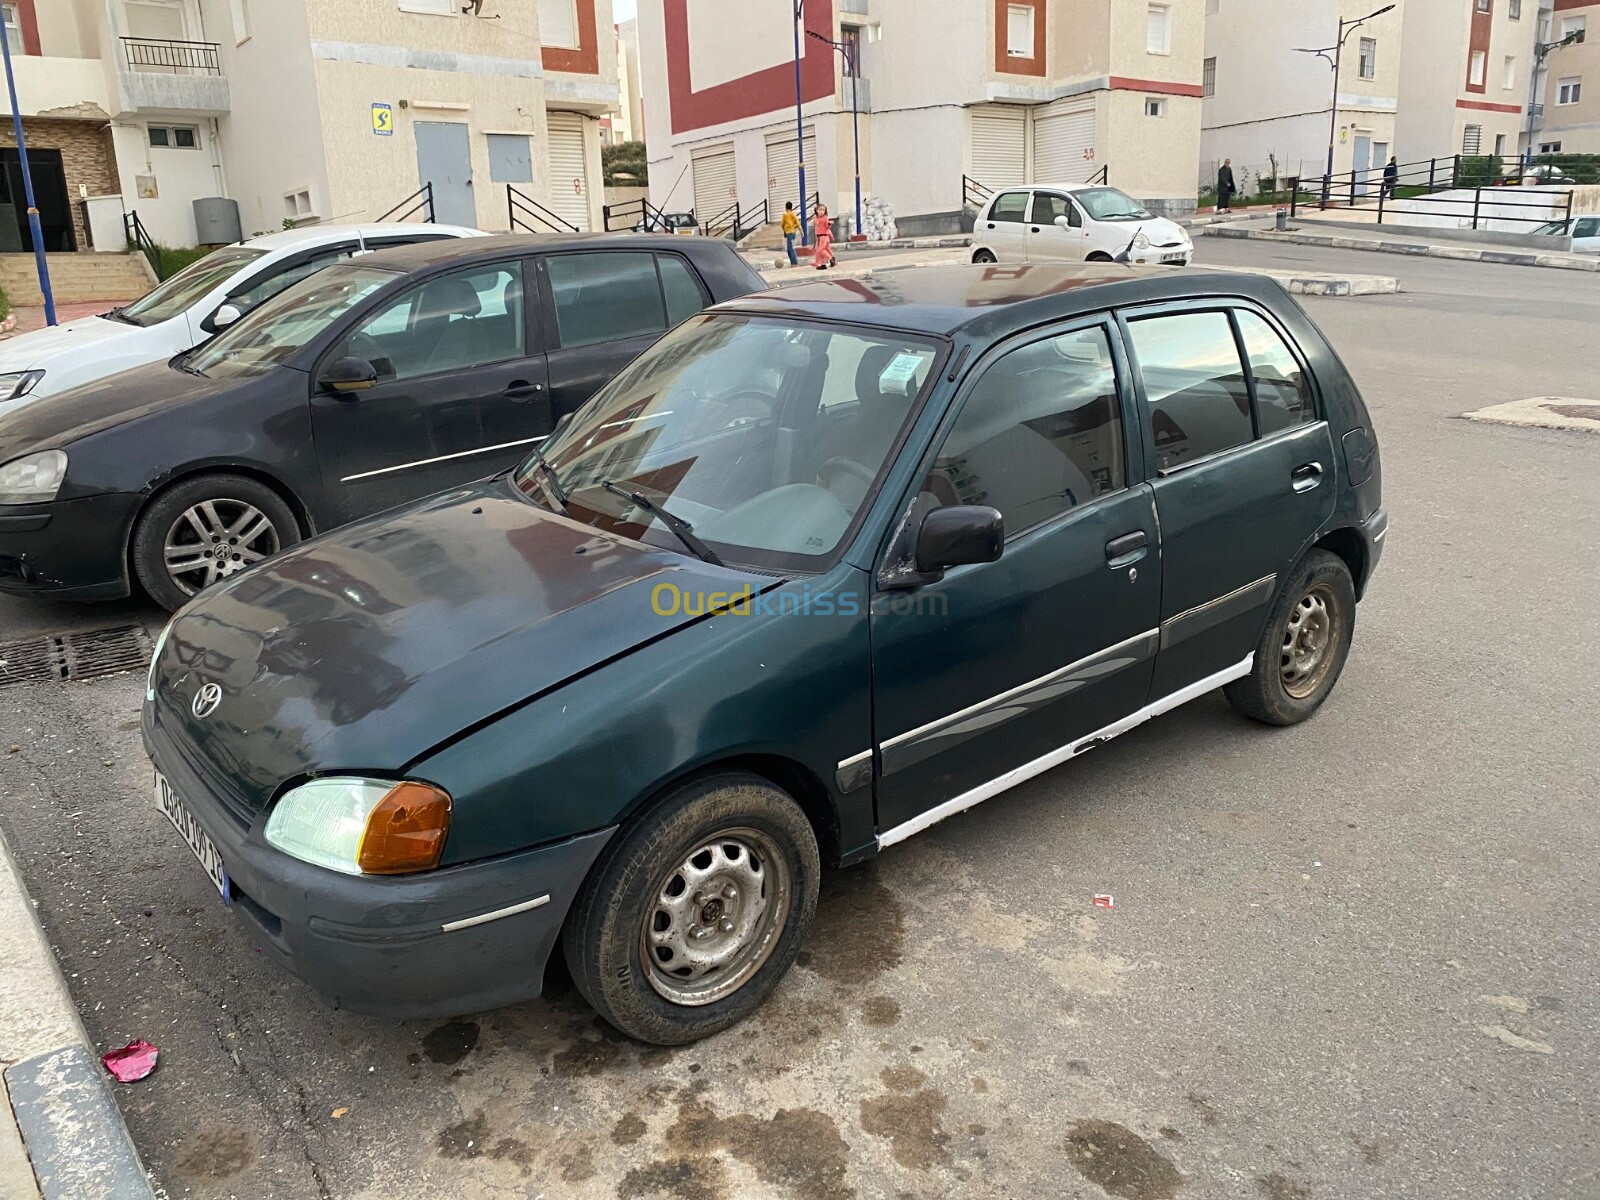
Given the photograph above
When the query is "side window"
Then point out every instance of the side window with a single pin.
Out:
(1047, 206)
(1011, 206)
(682, 290)
(1194, 383)
(1283, 394)
(467, 319)
(605, 297)
(269, 287)
(1588, 227)
(1040, 433)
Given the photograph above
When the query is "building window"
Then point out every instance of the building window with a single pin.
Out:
(1511, 72)
(1158, 29)
(1154, 107)
(1569, 26)
(13, 20)
(175, 137)
(510, 157)
(1485, 5)
(1514, 9)
(241, 21)
(1208, 77)
(1367, 59)
(558, 24)
(850, 38)
(1569, 91)
(297, 205)
(1476, 71)
(1500, 144)
(1472, 139)
(1019, 30)
(1549, 147)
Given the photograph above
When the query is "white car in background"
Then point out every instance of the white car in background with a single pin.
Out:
(1075, 223)
(1584, 232)
(184, 311)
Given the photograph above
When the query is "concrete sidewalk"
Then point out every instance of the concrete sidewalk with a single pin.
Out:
(61, 1134)
(1376, 239)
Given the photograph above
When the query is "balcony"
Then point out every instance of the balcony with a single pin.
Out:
(172, 58)
(157, 76)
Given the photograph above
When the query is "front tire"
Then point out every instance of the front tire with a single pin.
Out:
(983, 256)
(696, 911)
(205, 529)
(1304, 647)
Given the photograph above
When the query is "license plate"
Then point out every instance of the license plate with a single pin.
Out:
(195, 837)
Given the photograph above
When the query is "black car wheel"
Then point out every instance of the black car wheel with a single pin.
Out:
(983, 256)
(1304, 647)
(205, 529)
(696, 910)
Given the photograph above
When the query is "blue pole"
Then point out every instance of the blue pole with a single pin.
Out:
(800, 121)
(27, 188)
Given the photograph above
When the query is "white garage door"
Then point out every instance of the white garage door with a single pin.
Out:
(714, 181)
(783, 171)
(999, 139)
(569, 171)
(1063, 142)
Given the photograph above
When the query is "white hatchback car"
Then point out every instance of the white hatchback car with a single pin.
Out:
(1584, 232)
(1075, 223)
(184, 311)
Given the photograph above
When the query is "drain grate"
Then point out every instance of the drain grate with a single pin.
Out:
(86, 655)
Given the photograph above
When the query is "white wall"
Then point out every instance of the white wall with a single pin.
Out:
(181, 176)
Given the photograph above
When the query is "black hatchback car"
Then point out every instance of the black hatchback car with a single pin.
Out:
(821, 568)
(371, 383)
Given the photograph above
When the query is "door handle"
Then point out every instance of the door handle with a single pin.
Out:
(521, 389)
(1033, 229)
(1128, 548)
(1306, 476)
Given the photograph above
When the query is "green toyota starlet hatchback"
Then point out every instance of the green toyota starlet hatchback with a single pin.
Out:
(819, 569)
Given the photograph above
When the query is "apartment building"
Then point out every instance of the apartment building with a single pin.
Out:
(1268, 99)
(1569, 120)
(1001, 92)
(307, 110)
(1464, 84)
(628, 121)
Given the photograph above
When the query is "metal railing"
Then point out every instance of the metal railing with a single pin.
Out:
(528, 215)
(974, 194)
(1468, 212)
(139, 238)
(737, 220)
(163, 54)
(632, 214)
(1102, 177)
(420, 201)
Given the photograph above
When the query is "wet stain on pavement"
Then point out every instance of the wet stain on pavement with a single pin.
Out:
(465, 1139)
(513, 1151)
(860, 929)
(909, 1117)
(216, 1153)
(1171, 1134)
(902, 1079)
(451, 1042)
(1121, 1161)
(587, 1057)
(1280, 1187)
(799, 1149)
(980, 1084)
(578, 1165)
(880, 1011)
(679, 1179)
(1207, 1110)
(628, 1129)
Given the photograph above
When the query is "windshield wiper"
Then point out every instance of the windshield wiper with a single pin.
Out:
(680, 527)
(182, 363)
(551, 479)
(118, 314)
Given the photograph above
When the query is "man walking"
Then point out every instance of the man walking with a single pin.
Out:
(1391, 176)
(791, 230)
(1225, 186)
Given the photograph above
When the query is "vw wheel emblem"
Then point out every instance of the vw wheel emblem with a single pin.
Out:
(206, 701)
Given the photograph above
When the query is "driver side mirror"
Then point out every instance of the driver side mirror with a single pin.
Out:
(226, 315)
(959, 534)
(346, 375)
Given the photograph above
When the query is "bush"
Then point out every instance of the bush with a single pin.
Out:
(174, 260)
(1479, 170)
(5, 305)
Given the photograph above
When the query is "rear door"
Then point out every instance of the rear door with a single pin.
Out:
(1243, 475)
(1003, 229)
(460, 395)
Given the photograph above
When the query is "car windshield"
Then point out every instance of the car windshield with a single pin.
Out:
(1108, 204)
(274, 332)
(186, 287)
(765, 435)
(1553, 226)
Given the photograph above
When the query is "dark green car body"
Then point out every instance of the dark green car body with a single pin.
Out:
(546, 674)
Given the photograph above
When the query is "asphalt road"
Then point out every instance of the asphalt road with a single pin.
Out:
(1351, 959)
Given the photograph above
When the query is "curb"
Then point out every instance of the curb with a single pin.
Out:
(1526, 258)
(775, 259)
(61, 1116)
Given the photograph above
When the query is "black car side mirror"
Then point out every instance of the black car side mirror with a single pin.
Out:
(960, 534)
(349, 375)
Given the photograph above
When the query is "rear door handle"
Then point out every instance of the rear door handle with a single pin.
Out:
(1306, 476)
(521, 389)
(1128, 548)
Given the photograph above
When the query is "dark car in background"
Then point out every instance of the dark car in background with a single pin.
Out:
(818, 570)
(372, 383)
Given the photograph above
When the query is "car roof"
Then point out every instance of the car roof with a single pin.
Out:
(989, 300)
(318, 235)
(1054, 187)
(425, 254)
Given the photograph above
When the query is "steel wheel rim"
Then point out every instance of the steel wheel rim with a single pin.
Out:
(214, 539)
(716, 917)
(1310, 641)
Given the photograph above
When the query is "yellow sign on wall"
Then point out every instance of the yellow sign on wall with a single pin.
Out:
(382, 120)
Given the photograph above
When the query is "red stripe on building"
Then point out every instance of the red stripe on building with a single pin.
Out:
(1566, 5)
(1485, 106)
(767, 91)
(1121, 83)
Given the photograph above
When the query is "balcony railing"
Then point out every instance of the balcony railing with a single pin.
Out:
(159, 54)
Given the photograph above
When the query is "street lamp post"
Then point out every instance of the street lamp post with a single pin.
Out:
(800, 122)
(34, 229)
(855, 114)
(1541, 51)
(1333, 54)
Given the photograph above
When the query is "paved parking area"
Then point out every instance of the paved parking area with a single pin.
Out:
(1355, 958)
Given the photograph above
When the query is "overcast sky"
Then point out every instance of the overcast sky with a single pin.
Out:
(623, 10)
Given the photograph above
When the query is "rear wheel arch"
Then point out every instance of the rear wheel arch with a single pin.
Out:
(1346, 543)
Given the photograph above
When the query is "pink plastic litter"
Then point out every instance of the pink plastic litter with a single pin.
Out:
(131, 1063)
(1103, 900)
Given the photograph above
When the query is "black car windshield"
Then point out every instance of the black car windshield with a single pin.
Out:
(1108, 204)
(765, 435)
(174, 296)
(273, 333)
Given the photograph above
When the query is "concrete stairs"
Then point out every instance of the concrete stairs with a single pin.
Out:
(768, 237)
(76, 278)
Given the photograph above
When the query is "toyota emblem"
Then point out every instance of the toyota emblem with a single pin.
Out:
(206, 701)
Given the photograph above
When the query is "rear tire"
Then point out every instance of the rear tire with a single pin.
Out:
(983, 256)
(696, 911)
(205, 529)
(1304, 646)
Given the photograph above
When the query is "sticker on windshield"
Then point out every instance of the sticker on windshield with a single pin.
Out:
(902, 369)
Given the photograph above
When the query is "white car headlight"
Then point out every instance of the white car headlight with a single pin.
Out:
(362, 826)
(34, 478)
(16, 384)
(1140, 241)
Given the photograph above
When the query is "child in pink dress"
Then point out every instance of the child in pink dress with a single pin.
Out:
(823, 254)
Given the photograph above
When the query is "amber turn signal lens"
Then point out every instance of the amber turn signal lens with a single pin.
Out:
(406, 832)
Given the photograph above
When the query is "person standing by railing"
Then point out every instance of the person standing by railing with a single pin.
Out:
(791, 230)
(1391, 176)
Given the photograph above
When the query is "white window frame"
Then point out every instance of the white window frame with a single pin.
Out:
(1158, 29)
(1510, 80)
(239, 10)
(1154, 106)
(572, 11)
(1549, 147)
(1367, 58)
(172, 141)
(1569, 90)
(13, 27)
(429, 8)
(1485, 6)
(1478, 69)
(1499, 145)
(1020, 31)
(1572, 25)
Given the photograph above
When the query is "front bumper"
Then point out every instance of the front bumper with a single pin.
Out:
(67, 549)
(429, 945)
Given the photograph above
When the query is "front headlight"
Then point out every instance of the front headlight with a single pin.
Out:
(363, 826)
(1140, 241)
(34, 478)
(15, 384)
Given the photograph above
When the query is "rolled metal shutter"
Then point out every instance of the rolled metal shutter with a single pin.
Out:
(1063, 142)
(715, 182)
(569, 172)
(999, 145)
(783, 171)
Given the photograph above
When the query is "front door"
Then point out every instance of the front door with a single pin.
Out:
(460, 394)
(1245, 477)
(996, 666)
(1361, 163)
(444, 159)
(1047, 241)
(1003, 230)
(49, 193)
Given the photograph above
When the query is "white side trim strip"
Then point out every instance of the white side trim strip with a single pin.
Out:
(485, 918)
(1055, 758)
(426, 462)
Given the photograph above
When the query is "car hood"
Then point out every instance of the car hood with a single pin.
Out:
(78, 412)
(1163, 232)
(37, 349)
(364, 649)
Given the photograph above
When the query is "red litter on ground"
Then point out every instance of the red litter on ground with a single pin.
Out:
(131, 1063)
(1103, 900)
